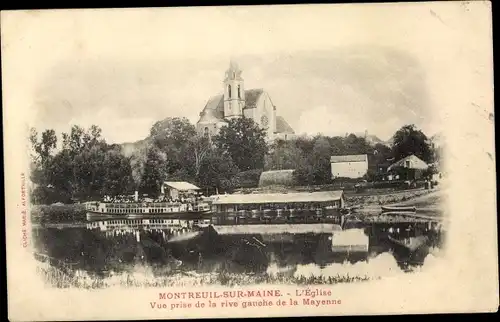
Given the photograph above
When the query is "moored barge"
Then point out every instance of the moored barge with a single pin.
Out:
(300, 227)
(144, 210)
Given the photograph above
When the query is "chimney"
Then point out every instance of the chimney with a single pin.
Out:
(136, 195)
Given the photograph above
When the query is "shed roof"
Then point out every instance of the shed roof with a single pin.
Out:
(319, 196)
(348, 158)
(276, 177)
(181, 185)
(414, 163)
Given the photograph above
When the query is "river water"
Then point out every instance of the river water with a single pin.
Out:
(101, 254)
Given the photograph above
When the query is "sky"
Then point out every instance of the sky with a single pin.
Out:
(329, 69)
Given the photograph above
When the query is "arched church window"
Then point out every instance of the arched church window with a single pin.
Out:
(205, 131)
(264, 120)
(229, 90)
(239, 93)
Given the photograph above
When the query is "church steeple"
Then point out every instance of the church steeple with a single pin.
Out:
(234, 93)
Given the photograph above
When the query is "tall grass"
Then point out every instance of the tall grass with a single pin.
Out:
(142, 277)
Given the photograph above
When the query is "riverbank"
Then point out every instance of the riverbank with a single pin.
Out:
(386, 198)
(427, 202)
(60, 214)
(74, 215)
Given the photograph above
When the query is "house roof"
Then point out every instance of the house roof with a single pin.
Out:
(282, 126)
(415, 163)
(348, 158)
(320, 196)
(181, 185)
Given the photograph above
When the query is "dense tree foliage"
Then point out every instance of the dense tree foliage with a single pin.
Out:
(86, 167)
(409, 140)
(245, 142)
(154, 172)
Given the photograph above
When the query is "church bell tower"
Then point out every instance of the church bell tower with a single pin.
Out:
(234, 93)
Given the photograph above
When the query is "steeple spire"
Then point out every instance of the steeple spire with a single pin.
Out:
(234, 71)
(233, 65)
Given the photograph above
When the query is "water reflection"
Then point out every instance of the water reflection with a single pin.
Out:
(174, 245)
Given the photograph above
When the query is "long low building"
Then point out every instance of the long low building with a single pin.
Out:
(234, 202)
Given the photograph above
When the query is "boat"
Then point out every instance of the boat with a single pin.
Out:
(399, 208)
(247, 229)
(305, 226)
(146, 210)
(410, 244)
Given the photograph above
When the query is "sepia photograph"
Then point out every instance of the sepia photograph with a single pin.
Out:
(193, 162)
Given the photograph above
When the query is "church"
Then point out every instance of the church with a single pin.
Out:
(237, 102)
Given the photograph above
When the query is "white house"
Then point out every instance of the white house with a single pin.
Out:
(349, 166)
(176, 189)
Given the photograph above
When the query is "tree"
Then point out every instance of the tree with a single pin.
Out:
(172, 133)
(200, 148)
(244, 141)
(60, 173)
(73, 141)
(117, 173)
(89, 172)
(284, 155)
(217, 170)
(86, 167)
(409, 140)
(154, 174)
(176, 138)
(320, 160)
(380, 157)
(304, 175)
(42, 150)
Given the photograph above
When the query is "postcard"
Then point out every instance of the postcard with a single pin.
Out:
(249, 161)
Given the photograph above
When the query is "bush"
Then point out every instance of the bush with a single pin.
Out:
(45, 196)
(44, 214)
(248, 179)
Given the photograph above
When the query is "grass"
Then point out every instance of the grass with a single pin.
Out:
(59, 278)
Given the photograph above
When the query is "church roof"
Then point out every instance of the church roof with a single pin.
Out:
(282, 126)
(252, 96)
(213, 111)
